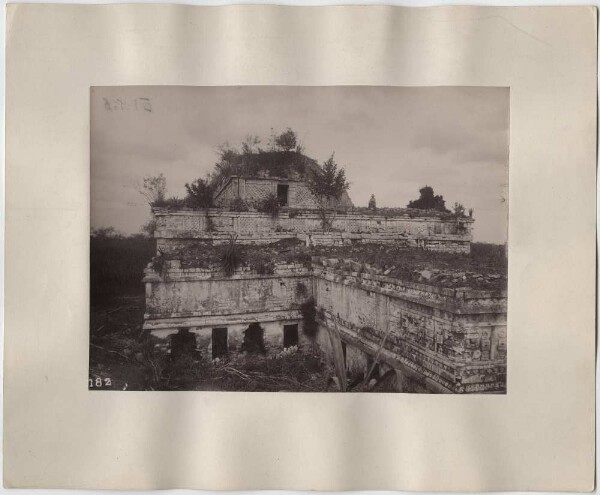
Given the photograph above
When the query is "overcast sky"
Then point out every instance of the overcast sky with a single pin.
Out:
(391, 141)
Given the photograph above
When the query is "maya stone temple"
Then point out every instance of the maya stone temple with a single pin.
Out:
(367, 288)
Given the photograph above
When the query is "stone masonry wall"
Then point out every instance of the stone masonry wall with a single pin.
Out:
(456, 339)
(453, 340)
(255, 190)
(433, 233)
(203, 299)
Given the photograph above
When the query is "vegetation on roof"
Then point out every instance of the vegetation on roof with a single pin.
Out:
(485, 268)
(282, 158)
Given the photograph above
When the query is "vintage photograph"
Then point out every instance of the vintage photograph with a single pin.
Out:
(299, 239)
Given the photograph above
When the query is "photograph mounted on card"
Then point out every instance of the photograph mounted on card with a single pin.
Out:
(305, 239)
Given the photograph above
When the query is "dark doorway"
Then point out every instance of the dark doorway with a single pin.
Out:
(254, 339)
(219, 342)
(290, 335)
(183, 343)
(282, 194)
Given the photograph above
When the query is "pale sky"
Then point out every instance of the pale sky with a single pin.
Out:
(391, 140)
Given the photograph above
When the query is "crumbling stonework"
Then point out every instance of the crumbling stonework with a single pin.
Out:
(455, 339)
(204, 299)
(435, 339)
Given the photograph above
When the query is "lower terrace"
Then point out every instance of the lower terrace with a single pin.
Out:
(484, 268)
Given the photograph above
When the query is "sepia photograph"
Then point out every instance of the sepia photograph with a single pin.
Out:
(299, 239)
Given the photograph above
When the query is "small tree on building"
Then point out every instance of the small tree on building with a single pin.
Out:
(459, 210)
(199, 194)
(154, 189)
(372, 203)
(428, 201)
(287, 141)
(328, 184)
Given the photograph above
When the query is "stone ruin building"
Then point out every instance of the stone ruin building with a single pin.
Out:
(436, 337)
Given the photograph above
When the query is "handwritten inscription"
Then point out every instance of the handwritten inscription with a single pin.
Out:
(127, 104)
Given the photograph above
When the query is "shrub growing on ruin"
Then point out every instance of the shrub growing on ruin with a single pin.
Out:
(210, 225)
(238, 204)
(286, 141)
(428, 200)
(265, 267)
(153, 188)
(231, 257)
(327, 184)
(271, 205)
(458, 210)
(309, 314)
(172, 202)
(158, 262)
(301, 289)
(199, 194)
(372, 203)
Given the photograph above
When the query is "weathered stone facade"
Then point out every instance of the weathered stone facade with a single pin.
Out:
(436, 233)
(444, 340)
(202, 299)
(253, 190)
(434, 339)
(453, 340)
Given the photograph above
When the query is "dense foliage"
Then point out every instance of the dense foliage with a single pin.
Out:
(271, 204)
(117, 263)
(327, 184)
(428, 200)
(199, 194)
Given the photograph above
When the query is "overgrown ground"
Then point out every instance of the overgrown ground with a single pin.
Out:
(123, 357)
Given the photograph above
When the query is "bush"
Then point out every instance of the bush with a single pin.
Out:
(270, 204)
(199, 194)
(301, 289)
(428, 201)
(158, 262)
(172, 202)
(309, 314)
(265, 268)
(238, 204)
(210, 225)
(231, 257)
(372, 203)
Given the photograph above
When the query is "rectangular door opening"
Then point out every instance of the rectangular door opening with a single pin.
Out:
(219, 342)
(290, 335)
(282, 194)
